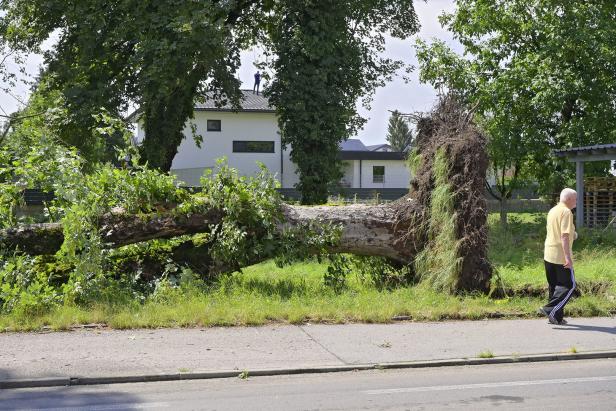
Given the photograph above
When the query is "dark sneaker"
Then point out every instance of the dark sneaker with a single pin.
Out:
(542, 311)
(554, 321)
(563, 322)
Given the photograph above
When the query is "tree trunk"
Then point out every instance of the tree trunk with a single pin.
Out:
(367, 230)
(503, 211)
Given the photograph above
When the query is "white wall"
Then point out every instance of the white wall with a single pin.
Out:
(289, 170)
(397, 175)
(348, 177)
(191, 161)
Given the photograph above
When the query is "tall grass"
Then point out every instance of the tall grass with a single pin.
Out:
(439, 263)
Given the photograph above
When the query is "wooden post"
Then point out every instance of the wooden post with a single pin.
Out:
(579, 187)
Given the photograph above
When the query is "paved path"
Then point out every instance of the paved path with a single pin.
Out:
(95, 353)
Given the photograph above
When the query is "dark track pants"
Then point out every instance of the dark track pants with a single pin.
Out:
(561, 282)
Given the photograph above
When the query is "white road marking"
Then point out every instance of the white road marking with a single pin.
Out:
(105, 407)
(489, 385)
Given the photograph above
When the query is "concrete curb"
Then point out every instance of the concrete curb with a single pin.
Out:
(73, 381)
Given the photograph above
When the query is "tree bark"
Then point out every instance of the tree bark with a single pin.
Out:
(503, 212)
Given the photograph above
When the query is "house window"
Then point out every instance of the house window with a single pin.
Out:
(378, 174)
(253, 146)
(214, 125)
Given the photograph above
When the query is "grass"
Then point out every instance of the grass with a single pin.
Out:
(264, 293)
(485, 354)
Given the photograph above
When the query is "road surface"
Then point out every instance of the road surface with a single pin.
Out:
(575, 385)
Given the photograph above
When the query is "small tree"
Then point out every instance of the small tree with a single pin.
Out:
(399, 135)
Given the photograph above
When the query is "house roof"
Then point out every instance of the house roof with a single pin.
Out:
(596, 149)
(354, 149)
(376, 147)
(352, 144)
(250, 102)
(599, 152)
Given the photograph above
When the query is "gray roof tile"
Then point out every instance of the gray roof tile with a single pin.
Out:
(352, 144)
(375, 147)
(250, 102)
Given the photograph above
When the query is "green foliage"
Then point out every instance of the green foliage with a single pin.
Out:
(304, 241)
(252, 211)
(264, 293)
(413, 161)
(337, 271)
(81, 198)
(327, 55)
(381, 273)
(88, 272)
(24, 288)
(108, 188)
(375, 272)
(485, 354)
(399, 135)
(158, 54)
(38, 163)
(47, 114)
(539, 74)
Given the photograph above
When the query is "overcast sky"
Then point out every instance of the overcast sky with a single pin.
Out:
(397, 95)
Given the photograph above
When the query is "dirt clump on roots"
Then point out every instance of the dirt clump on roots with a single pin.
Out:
(448, 133)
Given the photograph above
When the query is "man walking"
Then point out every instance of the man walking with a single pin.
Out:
(558, 257)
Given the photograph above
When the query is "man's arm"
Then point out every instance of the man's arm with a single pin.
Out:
(564, 238)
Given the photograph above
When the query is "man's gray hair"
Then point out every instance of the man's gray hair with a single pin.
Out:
(566, 193)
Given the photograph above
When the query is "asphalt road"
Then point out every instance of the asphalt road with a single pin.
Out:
(575, 385)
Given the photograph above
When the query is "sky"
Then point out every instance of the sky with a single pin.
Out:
(396, 95)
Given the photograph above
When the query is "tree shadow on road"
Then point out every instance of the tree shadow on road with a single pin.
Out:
(581, 327)
(64, 397)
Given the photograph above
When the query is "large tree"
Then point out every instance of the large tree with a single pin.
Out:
(540, 75)
(158, 54)
(327, 56)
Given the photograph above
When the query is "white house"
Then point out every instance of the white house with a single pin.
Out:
(251, 135)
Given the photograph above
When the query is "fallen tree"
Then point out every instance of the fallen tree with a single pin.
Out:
(439, 227)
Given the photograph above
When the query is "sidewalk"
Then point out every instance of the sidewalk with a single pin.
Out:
(112, 353)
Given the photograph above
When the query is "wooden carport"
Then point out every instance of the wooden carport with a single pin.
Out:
(579, 156)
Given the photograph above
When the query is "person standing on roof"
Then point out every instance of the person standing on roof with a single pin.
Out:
(257, 83)
(558, 258)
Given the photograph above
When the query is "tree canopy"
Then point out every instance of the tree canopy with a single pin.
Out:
(327, 57)
(159, 55)
(539, 74)
(164, 54)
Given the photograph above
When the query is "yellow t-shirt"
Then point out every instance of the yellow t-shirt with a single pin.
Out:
(560, 221)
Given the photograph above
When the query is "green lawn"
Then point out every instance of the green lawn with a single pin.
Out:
(265, 293)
